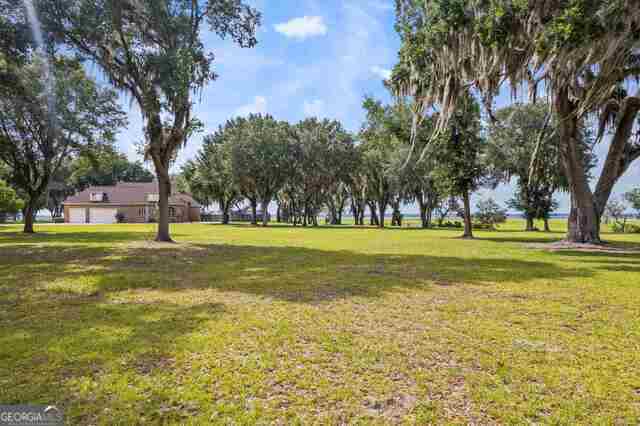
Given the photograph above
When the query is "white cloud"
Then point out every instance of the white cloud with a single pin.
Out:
(258, 106)
(301, 28)
(313, 108)
(383, 73)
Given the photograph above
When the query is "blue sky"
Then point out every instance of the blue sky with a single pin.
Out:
(313, 58)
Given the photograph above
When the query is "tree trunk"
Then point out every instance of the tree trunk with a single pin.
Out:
(374, 216)
(468, 227)
(423, 217)
(265, 212)
(530, 226)
(546, 225)
(355, 213)
(305, 214)
(382, 207)
(28, 214)
(224, 206)
(583, 223)
(278, 214)
(397, 217)
(164, 191)
(254, 212)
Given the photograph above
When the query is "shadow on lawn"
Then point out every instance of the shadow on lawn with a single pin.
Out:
(286, 273)
(70, 341)
(106, 236)
(54, 338)
(325, 227)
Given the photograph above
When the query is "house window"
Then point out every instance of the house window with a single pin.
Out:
(172, 212)
(97, 196)
(141, 212)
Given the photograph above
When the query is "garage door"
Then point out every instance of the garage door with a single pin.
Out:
(77, 216)
(101, 215)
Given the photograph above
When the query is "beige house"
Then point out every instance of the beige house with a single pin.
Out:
(127, 203)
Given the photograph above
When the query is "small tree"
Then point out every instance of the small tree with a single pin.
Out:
(489, 213)
(633, 197)
(614, 213)
(9, 202)
(445, 207)
(459, 168)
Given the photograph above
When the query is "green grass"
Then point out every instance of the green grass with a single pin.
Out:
(243, 325)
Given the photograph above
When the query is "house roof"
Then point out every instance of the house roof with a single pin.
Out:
(128, 193)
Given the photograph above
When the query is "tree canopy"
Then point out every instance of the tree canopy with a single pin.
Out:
(106, 167)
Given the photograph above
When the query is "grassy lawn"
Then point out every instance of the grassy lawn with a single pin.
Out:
(242, 325)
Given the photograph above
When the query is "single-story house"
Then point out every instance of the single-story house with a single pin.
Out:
(127, 203)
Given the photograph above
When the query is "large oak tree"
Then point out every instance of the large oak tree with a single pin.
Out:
(580, 54)
(43, 125)
(153, 51)
(260, 155)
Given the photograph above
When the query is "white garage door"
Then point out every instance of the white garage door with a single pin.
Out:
(77, 216)
(102, 215)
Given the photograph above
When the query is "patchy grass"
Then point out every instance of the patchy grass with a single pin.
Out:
(243, 325)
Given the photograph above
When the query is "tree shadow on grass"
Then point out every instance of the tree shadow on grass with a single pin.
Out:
(538, 238)
(293, 274)
(44, 237)
(66, 342)
(76, 314)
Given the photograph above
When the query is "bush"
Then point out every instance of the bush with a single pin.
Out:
(632, 229)
(625, 228)
(120, 217)
(489, 214)
(449, 224)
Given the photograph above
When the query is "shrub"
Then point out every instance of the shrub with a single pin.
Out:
(449, 224)
(632, 229)
(489, 214)
(120, 217)
(625, 228)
